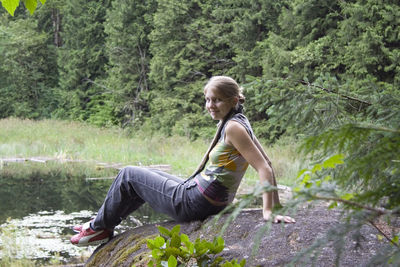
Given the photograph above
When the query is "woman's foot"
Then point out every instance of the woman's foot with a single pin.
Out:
(88, 237)
(78, 228)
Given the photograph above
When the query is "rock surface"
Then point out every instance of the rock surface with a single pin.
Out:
(277, 247)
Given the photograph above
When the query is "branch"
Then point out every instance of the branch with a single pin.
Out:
(382, 233)
(351, 203)
(333, 92)
(377, 128)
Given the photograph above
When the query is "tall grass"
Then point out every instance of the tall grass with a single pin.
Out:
(79, 141)
(12, 250)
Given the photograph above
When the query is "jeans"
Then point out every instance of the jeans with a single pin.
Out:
(165, 193)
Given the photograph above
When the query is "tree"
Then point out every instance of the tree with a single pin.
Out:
(237, 27)
(193, 40)
(181, 60)
(27, 71)
(82, 58)
(127, 27)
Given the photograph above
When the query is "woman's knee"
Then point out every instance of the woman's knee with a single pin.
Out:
(131, 173)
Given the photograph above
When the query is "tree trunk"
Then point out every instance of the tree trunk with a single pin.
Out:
(57, 27)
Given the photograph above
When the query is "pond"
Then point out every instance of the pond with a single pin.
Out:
(38, 211)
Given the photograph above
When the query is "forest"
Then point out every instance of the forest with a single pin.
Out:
(144, 63)
(325, 72)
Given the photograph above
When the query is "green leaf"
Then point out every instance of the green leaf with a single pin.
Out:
(31, 5)
(220, 241)
(159, 241)
(175, 241)
(333, 205)
(333, 161)
(10, 5)
(164, 231)
(217, 245)
(217, 249)
(150, 244)
(347, 196)
(156, 253)
(301, 172)
(172, 262)
(189, 245)
(176, 229)
(395, 239)
(185, 239)
(306, 179)
(173, 251)
(200, 247)
(317, 167)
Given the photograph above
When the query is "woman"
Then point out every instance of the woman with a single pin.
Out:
(207, 192)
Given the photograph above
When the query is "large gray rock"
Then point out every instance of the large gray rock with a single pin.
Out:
(277, 247)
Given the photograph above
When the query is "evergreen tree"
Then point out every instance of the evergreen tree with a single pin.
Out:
(193, 40)
(181, 60)
(82, 58)
(27, 73)
(238, 27)
(325, 53)
(127, 27)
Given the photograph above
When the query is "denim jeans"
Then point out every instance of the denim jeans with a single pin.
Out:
(165, 193)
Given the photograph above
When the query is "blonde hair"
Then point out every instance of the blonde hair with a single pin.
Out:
(228, 88)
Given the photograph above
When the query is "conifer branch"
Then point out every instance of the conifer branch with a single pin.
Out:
(377, 128)
(384, 234)
(333, 92)
(352, 203)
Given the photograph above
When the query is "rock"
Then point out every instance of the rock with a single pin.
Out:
(277, 246)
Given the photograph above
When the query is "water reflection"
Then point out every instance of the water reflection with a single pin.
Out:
(44, 209)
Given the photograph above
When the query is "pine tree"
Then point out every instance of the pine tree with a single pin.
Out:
(82, 57)
(27, 73)
(238, 27)
(127, 27)
(181, 60)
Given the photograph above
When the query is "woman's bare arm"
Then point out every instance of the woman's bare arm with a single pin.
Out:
(236, 135)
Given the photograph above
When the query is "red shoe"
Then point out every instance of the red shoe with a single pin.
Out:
(89, 237)
(78, 228)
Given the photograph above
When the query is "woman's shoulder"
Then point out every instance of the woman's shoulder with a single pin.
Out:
(240, 120)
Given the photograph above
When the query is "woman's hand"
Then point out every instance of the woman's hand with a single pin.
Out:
(267, 215)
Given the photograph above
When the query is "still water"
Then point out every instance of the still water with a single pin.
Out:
(37, 214)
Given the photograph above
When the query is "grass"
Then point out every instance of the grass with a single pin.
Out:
(80, 141)
(12, 252)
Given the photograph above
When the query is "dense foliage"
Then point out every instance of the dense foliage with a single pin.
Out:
(327, 72)
(144, 63)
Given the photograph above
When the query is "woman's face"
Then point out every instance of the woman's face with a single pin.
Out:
(217, 105)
